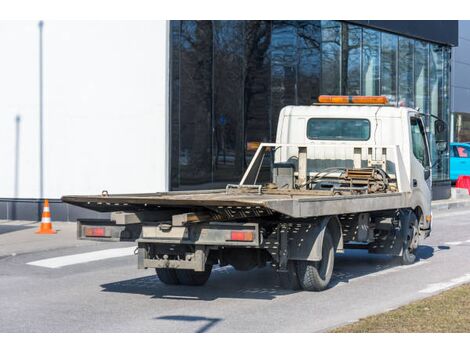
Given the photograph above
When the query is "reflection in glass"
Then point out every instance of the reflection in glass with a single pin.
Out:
(351, 59)
(228, 71)
(196, 102)
(421, 72)
(230, 79)
(257, 89)
(370, 62)
(309, 69)
(405, 72)
(284, 62)
(388, 67)
(330, 57)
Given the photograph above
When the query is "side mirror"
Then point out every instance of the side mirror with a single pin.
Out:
(441, 147)
(439, 126)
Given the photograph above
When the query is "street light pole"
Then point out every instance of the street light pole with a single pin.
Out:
(41, 111)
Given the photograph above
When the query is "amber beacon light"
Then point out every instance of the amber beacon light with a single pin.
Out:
(352, 99)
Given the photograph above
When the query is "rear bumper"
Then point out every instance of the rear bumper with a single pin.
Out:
(181, 247)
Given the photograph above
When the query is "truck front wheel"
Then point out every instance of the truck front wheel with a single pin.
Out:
(167, 276)
(194, 278)
(315, 276)
(410, 233)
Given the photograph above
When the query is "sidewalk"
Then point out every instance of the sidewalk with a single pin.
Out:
(459, 199)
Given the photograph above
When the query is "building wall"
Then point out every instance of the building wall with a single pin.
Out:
(461, 85)
(105, 100)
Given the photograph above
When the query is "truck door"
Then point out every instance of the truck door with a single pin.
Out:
(420, 165)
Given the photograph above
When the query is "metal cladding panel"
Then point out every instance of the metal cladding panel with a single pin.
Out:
(442, 32)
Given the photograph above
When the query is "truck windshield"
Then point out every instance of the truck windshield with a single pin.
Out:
(338, 129)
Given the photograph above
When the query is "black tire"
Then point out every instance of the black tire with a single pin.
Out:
(289, 280)
(315, 276)
(194, 278)
(167, 276)
(410, 228)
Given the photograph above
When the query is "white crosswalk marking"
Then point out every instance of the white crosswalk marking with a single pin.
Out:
(59, 262)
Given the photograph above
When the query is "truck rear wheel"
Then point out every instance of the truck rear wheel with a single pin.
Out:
(194, 278)
(167, 276)
(315, 276)
(289, 279)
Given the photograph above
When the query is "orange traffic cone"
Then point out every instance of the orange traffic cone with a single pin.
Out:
(46, 224)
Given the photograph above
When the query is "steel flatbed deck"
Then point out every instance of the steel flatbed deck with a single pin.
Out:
(296, 204)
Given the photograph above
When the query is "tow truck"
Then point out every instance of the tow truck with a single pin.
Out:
(347, 172)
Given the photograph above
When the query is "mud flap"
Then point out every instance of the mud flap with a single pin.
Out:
(304, 241)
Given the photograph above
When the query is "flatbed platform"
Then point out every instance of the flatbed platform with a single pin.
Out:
(296, 204)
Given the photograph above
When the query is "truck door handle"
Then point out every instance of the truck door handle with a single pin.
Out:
(415, 183)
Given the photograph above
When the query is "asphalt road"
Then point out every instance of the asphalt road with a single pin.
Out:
(59, 284)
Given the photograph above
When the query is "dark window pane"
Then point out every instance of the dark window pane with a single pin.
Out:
(175, 34)
(388, 61)
(257, 96)
(351, 39)
(308, 72)
(330, 57)
(338, 129)
(405, 72)
(228, 73)
(195, 156)
(370, 62)
(284, 61)
(421, 75)
(436, 91)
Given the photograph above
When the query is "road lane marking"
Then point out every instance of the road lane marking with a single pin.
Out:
(444, 285)
(450, 213)
(59, 262)
(392, 270)
(455, 243)
(379, 273)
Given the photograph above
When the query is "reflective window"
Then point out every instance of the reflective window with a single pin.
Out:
(436, 90)
(309, 37)
(421, 72)
(370, 62)
(405, 72)
(351, 59)
(330, 57)
(338, 129)
(195, 100)
(388, 62)
(230, 79)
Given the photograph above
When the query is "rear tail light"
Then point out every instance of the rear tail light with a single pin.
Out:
(243, 236)
(95, 232)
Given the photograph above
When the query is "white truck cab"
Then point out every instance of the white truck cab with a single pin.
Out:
(342, 133)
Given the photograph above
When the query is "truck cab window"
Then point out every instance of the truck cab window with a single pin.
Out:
(418, 140)
(338, 129)
(462, 151)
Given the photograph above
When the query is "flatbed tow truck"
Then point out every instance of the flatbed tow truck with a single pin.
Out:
(348, 172)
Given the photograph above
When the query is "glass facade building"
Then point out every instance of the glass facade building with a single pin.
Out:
(230, 79)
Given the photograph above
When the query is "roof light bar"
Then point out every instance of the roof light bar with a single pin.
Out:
(352, 99)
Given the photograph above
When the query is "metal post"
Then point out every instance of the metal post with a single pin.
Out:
(41, 111)
(302, 167)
